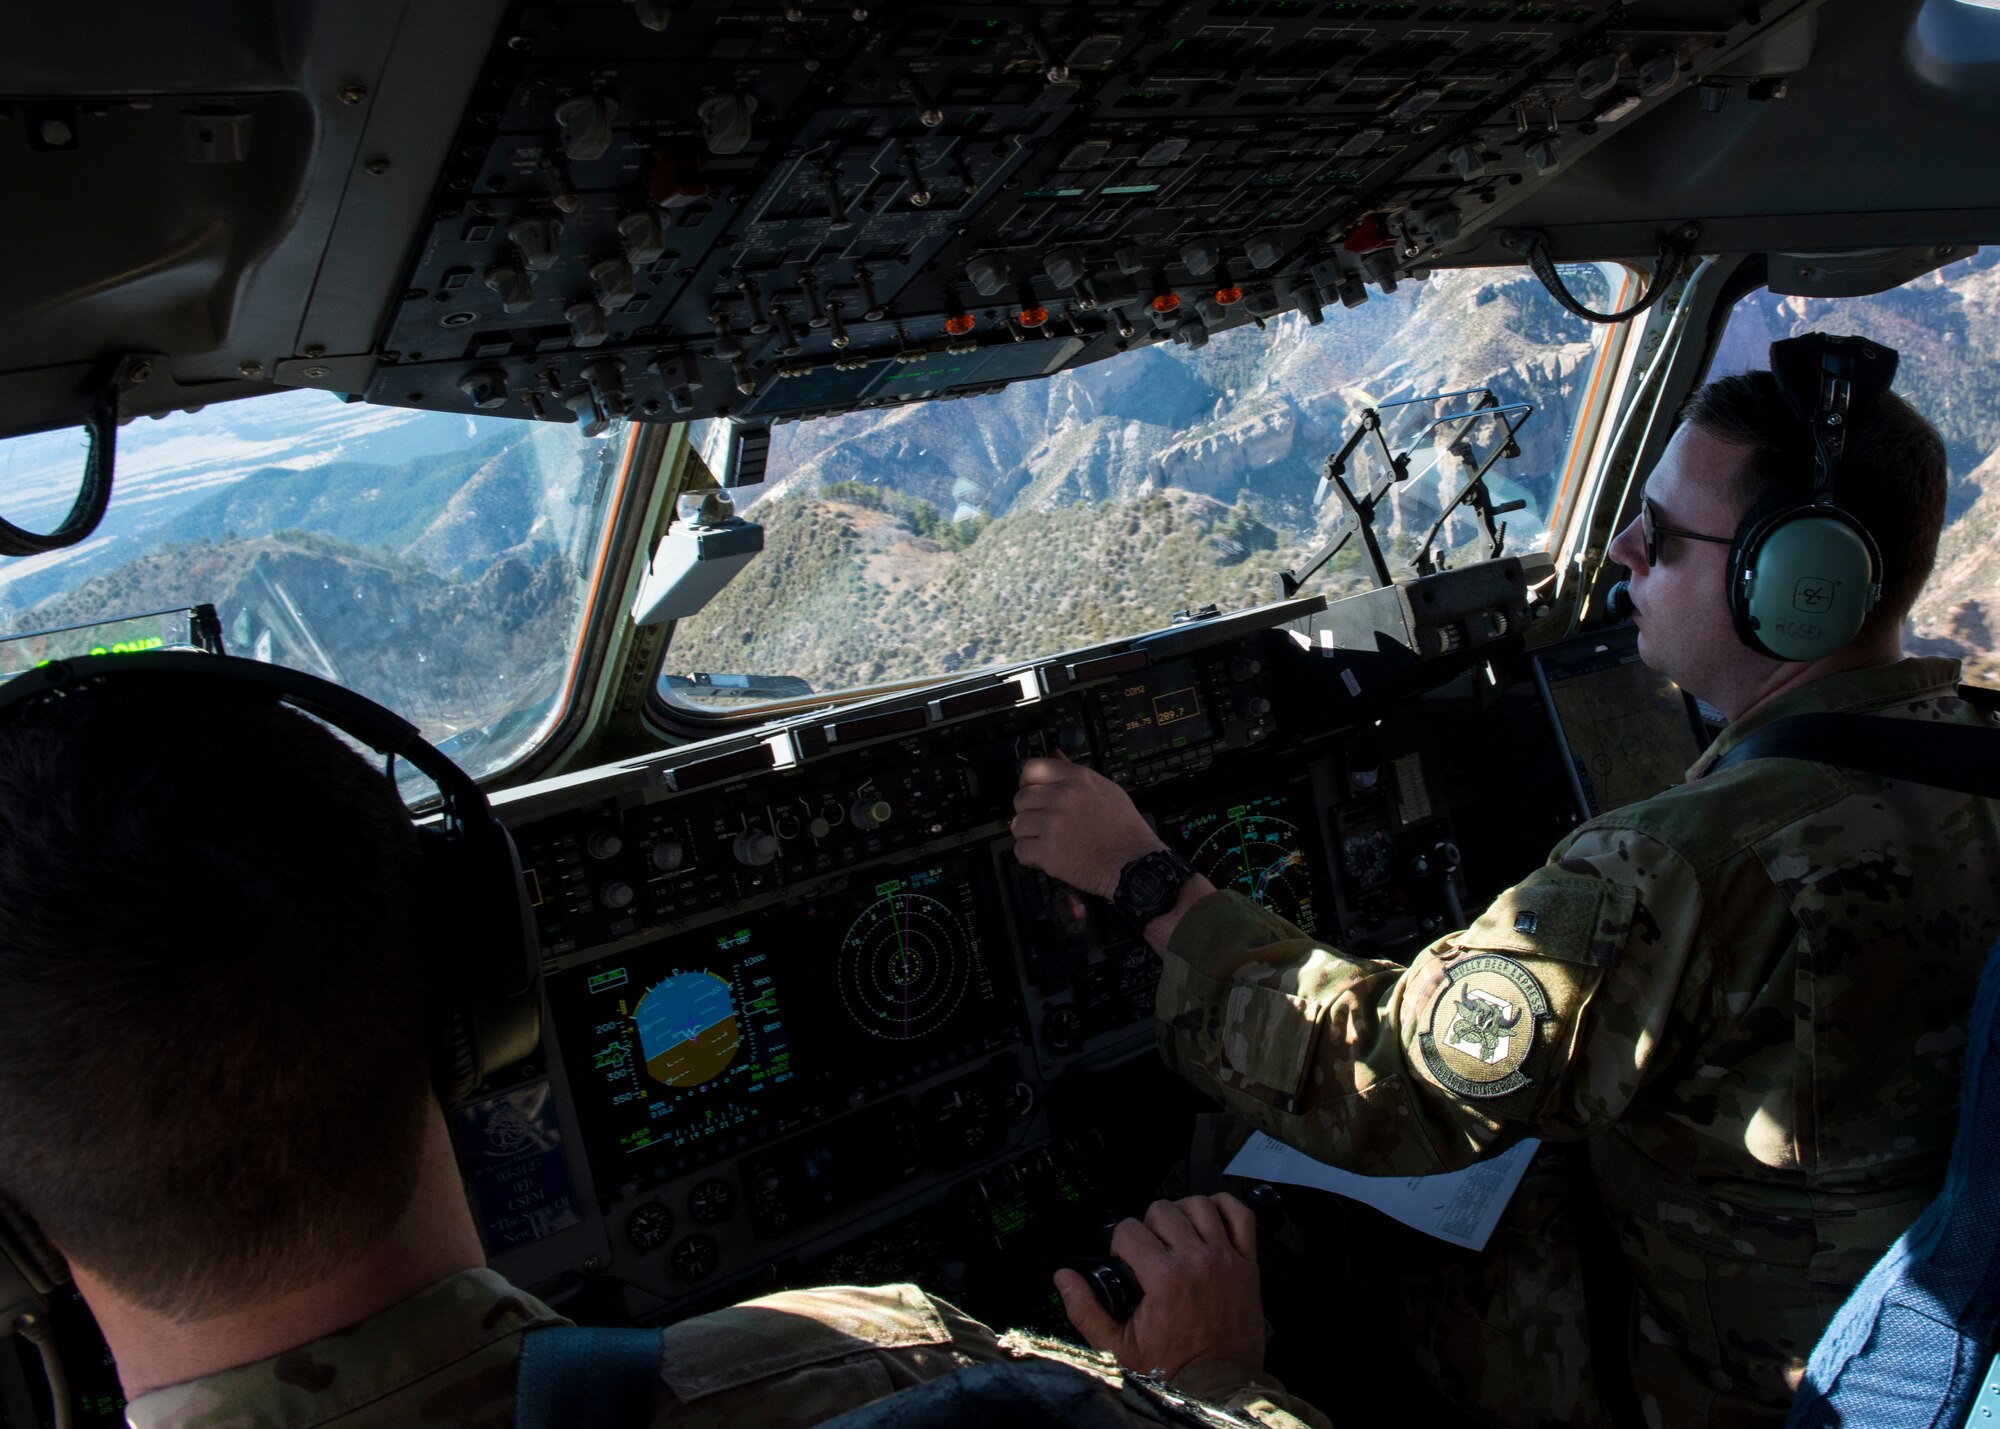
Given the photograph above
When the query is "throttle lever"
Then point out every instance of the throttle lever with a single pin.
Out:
(1117, 1288)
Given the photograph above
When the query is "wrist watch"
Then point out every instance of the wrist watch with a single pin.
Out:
(1150, 884)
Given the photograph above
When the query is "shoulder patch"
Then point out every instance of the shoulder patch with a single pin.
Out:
(1483, 1024)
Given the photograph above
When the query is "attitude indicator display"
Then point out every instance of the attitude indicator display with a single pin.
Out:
(1257, 847)
(682, 1045)
(688, 1029)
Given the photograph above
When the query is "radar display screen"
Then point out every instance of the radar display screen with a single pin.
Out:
(912, 984)
(671, 1045)
(1260, 846)
(1157, 712)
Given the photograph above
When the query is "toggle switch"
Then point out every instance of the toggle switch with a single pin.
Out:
(871, 306)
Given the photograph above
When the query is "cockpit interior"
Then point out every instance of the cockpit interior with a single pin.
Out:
(740, 435)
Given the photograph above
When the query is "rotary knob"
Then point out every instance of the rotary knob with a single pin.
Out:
(754, 848)
(1256, 707)
(868, 814)
(1064, 1029)
(1244, 668)
(667, 855)
(604, 844)
(616, 896)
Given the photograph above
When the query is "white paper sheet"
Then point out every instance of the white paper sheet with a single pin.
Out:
(1461, 1207)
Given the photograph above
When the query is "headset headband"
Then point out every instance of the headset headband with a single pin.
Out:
(1829, 383)
(380, 729)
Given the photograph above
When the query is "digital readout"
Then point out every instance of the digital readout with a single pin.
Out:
(1159, 712)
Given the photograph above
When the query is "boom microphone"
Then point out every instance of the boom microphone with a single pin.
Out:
(1618, 605)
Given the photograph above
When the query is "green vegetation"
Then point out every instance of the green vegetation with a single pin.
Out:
(848, 594)
(916, 515)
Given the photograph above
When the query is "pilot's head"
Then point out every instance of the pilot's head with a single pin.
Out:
(212, 1077)
(1738, 444)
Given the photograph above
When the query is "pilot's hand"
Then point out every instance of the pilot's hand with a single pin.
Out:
(1197, 1262)
(1077, 826)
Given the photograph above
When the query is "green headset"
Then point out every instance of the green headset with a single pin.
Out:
(1804, 573)
(482, 954)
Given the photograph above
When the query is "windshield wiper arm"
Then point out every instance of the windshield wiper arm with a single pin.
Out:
(1360, 509)
(1515, 415)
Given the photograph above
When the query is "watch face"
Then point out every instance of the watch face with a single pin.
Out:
(1147, 887)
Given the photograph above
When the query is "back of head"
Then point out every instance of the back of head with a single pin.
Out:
(212, 1076)
(1893, 477)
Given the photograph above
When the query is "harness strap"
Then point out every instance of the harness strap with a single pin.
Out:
(1960, 757)
(581, 1374)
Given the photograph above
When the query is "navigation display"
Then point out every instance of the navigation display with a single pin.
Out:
(1262, 846)
(1158, 711)
(912, 987)
(671, 1045)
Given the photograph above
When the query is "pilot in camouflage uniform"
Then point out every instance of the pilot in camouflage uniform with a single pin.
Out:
(447, 1357)
(1748, 993)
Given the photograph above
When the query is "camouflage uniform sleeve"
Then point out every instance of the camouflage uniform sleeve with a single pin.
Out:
(1250, 1394)
(1541, 1019)
(803, 1356)
(795, 1359)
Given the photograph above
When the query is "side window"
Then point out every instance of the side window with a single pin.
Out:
(441, 565)
(1946, 325)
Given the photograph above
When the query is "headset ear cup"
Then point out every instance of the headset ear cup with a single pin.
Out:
(483, 959)
(451, 1037)
(1751, 533)
(1816, 572)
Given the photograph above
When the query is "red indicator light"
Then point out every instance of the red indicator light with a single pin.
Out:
(1228, 295)
(1166, 302)
(1033, 317)
(959, 324)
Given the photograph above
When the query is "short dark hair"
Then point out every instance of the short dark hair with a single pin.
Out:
(212, 1063)
(1893, 477)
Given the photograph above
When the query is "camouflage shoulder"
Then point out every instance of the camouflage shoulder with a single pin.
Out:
(1709, 821)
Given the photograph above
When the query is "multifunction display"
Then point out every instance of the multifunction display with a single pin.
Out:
(911, 974)
(1157, 711)
(697, 1043)
(1263, 846)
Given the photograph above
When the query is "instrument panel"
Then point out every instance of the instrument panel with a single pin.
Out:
(812, 1003)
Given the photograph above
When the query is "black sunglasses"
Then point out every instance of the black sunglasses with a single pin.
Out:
(1651, 528)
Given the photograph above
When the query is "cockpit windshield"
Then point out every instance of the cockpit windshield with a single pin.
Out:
(909, 541)
(438, 564)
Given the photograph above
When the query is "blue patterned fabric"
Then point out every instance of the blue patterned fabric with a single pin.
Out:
(1912, 1345)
